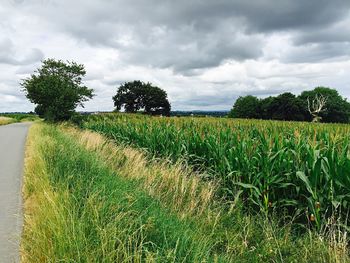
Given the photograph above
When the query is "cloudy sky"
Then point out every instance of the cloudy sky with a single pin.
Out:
(204, 53)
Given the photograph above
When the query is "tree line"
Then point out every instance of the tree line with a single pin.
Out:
(57, 89)
(320, 104)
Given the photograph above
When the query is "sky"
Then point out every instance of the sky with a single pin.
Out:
(204, 53)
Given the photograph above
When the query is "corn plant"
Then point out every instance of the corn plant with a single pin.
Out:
(293, 167)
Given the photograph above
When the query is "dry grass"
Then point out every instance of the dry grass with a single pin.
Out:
(50, 233)
(36, 189)
(182, 189)
(64, 225)
(6, 120)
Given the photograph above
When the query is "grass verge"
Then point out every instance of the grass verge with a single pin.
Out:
(21, 117)
(6, 120)
(90, 200)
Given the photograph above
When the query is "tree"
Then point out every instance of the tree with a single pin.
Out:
(57, 89)
(266, 108)
(316, 107)
(335, 108)
(322, 103)
(136, 95)
(286, 107)
(246, 107)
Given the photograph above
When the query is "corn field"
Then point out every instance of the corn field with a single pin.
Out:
(289, 167)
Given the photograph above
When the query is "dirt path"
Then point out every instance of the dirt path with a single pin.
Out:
(12, 142)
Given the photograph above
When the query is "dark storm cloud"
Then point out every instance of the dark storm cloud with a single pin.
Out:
(317, 52)
(186, 35)
(193, 53)
(204, 15)
(204, 53)
(335, 33)
(323, 36)
(270, 15)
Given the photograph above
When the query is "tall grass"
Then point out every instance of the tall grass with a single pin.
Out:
(18, 117)
(84, 212)
(88, 200)
(293, 168)
(6, 120)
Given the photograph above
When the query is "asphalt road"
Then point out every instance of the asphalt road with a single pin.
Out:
(12, 143)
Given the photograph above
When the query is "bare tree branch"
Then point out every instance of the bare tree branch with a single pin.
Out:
(317, 106)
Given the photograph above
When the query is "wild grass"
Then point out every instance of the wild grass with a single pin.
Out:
(84, 212)
(88, 199)
(21, 117)
(6, 120)
(174, 183)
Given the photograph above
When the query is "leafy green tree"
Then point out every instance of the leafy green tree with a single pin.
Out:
(56, 88)
(336, 108)
(246, 107)
(328, 106)
(156, 101)
(129, 97)
(286, 107)
(137, 95)
(266, 108)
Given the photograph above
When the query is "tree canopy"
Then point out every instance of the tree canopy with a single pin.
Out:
(337, 109)
(56, 88)
(136, 96)
(289, 107)
(245, 107)
(286, 107)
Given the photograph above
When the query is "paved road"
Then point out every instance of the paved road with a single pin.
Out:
(12, 142)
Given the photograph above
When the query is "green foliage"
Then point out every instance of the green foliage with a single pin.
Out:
(266, 108)
(137, 95)
(21, 116)
(245, 107)
(337, 108)
(57, 89)
(273, 166)
(285, 107)
(78, 119)
(289, 107)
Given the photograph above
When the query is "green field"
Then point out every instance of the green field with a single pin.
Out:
(299, 169)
